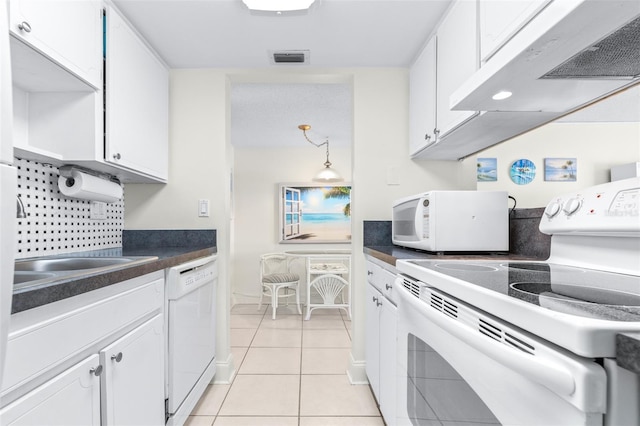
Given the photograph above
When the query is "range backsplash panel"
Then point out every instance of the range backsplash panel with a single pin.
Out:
(56, 224)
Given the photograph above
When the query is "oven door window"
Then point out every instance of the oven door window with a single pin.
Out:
(437, 393)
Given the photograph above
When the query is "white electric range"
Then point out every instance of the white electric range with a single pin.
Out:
(517, 336)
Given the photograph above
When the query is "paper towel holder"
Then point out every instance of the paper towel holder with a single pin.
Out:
(67, 172)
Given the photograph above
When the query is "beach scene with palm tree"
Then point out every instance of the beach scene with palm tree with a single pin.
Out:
(326, 214)
(560, 169)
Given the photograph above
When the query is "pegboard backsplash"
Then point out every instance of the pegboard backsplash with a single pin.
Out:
(56, 224)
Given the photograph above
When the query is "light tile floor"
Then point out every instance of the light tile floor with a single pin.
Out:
(290, 372)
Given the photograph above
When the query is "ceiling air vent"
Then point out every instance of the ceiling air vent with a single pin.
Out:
(291, 57)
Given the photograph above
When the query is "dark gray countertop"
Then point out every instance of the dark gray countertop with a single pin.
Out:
(139, 243)
(628, 351)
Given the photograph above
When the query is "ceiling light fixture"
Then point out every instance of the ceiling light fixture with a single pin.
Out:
(504, 94)
(278, 5)
(327, 174)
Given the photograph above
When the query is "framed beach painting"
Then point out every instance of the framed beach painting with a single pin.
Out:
(560, 169)
(487, 169)
(315, 213)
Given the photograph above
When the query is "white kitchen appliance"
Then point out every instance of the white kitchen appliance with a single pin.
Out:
(8, 185)
(191, 335)
(452, 221)
(550, 66)
(527, 342)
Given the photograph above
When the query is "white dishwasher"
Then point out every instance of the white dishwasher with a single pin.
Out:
(191, 335)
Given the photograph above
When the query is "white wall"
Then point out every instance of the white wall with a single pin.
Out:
(257, 175)
(380, 121)
(199, 167)
(596, 146)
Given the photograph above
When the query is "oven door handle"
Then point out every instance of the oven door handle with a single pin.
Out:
(543, 371)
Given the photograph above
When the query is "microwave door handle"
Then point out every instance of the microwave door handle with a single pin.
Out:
(553, 376)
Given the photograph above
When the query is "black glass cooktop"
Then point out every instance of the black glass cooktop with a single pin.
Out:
(582, 292)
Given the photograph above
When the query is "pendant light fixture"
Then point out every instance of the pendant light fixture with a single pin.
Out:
(327, 174)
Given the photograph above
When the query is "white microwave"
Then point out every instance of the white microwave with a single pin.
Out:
(441, 221)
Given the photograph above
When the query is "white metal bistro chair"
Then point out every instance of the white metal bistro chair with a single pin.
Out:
(276, 275)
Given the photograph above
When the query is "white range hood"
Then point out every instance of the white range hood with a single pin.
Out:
(571, 54)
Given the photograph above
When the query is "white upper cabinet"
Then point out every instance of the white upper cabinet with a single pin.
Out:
(448, 59)
(457, 61)
(67, 32)
(137, 102)
(422, 96)
(71, 118)
(501, 19)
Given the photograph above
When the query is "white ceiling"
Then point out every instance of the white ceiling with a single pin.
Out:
(337, 33)
(269, 114)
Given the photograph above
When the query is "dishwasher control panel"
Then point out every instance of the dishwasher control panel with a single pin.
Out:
(190, 276)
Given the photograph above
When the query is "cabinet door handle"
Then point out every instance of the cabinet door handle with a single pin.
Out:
(388, 286)
(24, 26)
(369, 273)
(96, 371)
(117, 357)
(436, 133)
(427, 136)
(117, 156)
(374, 299)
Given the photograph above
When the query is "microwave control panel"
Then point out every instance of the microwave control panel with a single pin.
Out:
(425, 218)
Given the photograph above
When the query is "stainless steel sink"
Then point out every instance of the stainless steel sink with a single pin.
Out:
(30, 272)
(69, 263)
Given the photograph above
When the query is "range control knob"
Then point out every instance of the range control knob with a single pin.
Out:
(572, 205)
(552, 209)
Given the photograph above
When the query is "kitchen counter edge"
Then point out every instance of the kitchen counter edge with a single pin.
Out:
(391, 254)
(30, 298)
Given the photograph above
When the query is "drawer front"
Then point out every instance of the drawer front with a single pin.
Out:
(373, 274)
(386, 280)
(34, 349)
(381, 279)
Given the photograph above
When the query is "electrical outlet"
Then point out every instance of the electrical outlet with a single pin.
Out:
(98, 211)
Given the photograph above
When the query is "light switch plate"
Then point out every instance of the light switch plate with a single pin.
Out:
(203, 208)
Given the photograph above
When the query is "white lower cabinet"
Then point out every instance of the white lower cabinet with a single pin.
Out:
(372, 338)
(92, 359)
(381, 338)
(132, 389)
(71, 398)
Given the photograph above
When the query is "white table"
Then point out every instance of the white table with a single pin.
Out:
(329, 274)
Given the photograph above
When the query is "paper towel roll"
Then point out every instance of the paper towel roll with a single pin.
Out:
(86, 187)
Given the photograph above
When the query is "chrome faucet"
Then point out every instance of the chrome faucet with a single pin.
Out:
(20, 214)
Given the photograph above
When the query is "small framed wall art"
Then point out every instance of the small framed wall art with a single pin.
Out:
(560, 169)
(522, 172)
(487, 169)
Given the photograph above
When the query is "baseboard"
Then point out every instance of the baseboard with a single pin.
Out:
(225, 371)
(357, 372)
